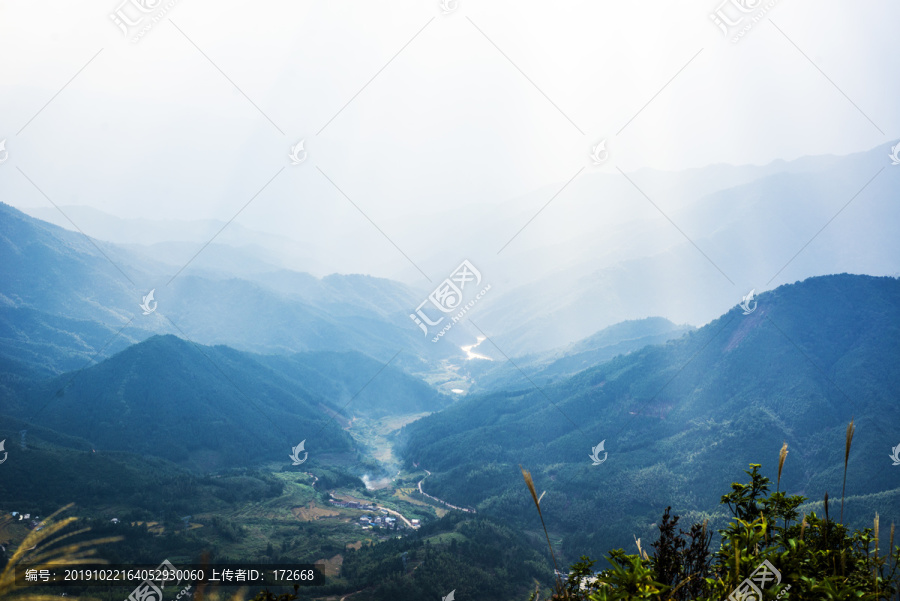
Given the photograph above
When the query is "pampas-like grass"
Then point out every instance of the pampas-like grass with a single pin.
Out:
(876, 535)
(850, 430)
(641, 552)
(40, 551)
(782, 455)
(537, 503)
(875, 569)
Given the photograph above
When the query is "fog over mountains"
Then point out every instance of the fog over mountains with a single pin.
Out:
(682, 245)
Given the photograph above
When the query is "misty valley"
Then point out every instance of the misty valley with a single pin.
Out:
(449, 301)
(409, 472)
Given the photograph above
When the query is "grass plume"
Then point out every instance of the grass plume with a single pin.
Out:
(537, 503)
(782, 455)
(850, 430)
(41, 550)
(641, 552)
(876, 534)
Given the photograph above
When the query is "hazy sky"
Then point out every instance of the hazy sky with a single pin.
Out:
(413, 113)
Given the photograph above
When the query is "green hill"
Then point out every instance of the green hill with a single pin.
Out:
(214, 407)
(204, 407)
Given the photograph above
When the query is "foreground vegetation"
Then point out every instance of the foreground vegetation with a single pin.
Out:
(809, 557)
(769, 549)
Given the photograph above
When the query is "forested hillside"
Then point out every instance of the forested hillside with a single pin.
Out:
(679, 418)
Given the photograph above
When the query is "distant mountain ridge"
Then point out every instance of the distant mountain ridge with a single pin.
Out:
(765, 229)
(596, 264)
(84, 280)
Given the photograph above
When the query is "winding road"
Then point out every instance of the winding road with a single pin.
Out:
(441, 500)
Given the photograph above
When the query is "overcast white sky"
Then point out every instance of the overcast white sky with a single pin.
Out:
(487, 103)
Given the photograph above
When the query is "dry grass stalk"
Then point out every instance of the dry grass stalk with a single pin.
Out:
(876, 536)
(537, 503)
(875, 568)
(40, 551)
(850, 430)
(782, 455)
(680, 584)
(641, 552)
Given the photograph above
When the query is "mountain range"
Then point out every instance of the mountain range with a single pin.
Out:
(101, 286)
(688, 249)
(611, 247)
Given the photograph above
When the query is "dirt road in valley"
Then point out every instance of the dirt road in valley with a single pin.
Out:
(441, 500)
(399, 515)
